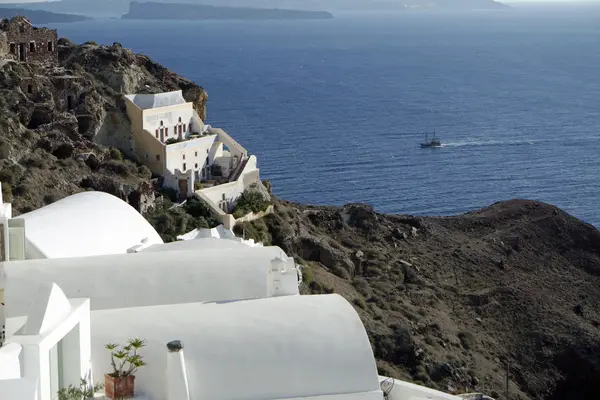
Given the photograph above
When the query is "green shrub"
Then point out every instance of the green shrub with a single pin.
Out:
(250, 201)
(257, 230)
(116, 154)
(360, 303)
(168, 193)
(197, 208)
(4, 149)
(169, 223)
(117, 167)
(83, 392)
(173, 141)
(144, 171)
(307, 275)
(33, 161)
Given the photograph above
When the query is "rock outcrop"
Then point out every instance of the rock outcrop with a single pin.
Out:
(65, 129)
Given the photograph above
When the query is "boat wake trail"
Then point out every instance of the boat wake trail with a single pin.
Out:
(489, 143)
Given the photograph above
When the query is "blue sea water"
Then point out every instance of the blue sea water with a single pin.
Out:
(334, 109)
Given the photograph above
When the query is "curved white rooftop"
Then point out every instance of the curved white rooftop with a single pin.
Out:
(277, 348)
(211, 243)
(85, 224)
(151, 278)
(148, 101)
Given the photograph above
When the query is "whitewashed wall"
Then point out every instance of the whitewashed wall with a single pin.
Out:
(169, 116)
(192, 152)
(231, 190)
(402, 390)
(10, 367)
(52, 318)
(147, 278)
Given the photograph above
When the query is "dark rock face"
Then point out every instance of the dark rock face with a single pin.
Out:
(59, 122)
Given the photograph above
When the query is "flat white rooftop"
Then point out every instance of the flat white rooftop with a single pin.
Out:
(149, 101)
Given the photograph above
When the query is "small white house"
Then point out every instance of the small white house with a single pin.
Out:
(172, 140)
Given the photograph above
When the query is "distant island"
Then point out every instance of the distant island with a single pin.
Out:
(37, 17)
(179, 11)
(116, 8)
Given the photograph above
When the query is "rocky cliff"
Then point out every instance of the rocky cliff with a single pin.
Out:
(449, 302)
(61, 126)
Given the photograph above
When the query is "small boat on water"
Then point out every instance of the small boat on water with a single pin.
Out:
(434, 142)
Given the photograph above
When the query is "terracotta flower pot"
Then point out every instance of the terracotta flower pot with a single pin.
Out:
(116, 388)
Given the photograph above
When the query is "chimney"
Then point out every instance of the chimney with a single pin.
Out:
(177, 383)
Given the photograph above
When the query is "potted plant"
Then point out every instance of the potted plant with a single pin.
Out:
(125, 363)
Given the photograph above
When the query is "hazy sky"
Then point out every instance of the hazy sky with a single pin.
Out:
(502, 1)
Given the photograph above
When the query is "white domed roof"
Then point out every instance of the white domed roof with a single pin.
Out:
(85, 224)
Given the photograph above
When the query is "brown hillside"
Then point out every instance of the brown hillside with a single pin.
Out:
(448, 300)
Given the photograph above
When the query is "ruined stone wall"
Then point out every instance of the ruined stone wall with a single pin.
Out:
(67, 91)
(3, 45)
(27, 43)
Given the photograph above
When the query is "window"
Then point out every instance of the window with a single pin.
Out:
(157, 133)
(180, 119)
(161, 124)
(180, 129)
(196, 165)
(13, 48)
(184, 128)
(184, 167)
(22, 29)
(158, 157)
(29, 89)
(207, 152)
(50, 46)
(32, 47)
(184, 156)
(196, 154)
(207, 161)
(166, 132)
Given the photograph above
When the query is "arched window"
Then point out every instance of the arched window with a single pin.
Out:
(179, 119)
(161, 123)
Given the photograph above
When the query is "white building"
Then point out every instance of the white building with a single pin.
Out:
(84, 224)
(172, 140)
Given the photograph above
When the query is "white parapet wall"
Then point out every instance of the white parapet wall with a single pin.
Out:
(401, 390)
